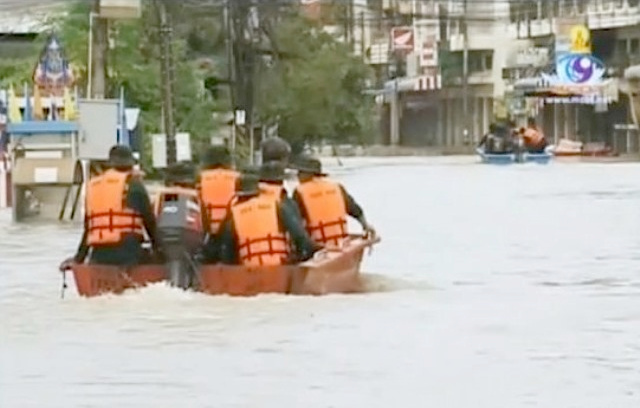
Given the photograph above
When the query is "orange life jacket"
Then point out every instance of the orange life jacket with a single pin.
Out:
(108, 217)
(276, 191)
(532, 137)
(260, 241)
(325, 210)
(216, 188)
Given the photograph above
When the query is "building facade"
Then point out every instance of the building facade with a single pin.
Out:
(602, 111)
(452, 85)
(490, 51)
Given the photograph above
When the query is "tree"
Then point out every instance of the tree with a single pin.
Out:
(315, 91)
(133, 65)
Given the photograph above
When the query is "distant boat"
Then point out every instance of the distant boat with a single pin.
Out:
(511, 158)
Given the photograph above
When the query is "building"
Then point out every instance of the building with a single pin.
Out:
(448, 83)
(349, 20)
(600, 112)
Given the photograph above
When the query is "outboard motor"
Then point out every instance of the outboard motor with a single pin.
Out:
(180, 234)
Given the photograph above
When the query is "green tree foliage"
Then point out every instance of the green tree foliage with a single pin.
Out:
(133, 64)
(315, 91)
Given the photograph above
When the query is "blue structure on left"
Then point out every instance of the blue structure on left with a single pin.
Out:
(43, 149)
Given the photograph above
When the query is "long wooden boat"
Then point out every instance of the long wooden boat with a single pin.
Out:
(94, 280)
(332, 270)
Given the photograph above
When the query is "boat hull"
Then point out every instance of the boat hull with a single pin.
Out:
(511, 158)
(94, 280)
(335, 270)
(539, 158)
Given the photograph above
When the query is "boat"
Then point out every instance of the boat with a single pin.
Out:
(180, 235)
(331, 270)
(496, 158)
(539, 158)
(510, 158)
(93, 280)
(571, 148)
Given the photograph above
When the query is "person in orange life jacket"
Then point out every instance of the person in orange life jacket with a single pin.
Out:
(534, 139)
(325, 204)
(255, 229)
(118, 212)
(216, 188)
(272, 182)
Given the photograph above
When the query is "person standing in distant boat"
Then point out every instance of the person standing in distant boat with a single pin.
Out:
(533, 137)
(118, 215)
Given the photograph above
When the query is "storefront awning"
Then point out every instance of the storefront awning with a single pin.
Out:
(633, 72)
(604, 92)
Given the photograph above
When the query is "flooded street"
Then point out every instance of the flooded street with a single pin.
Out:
(492, 287)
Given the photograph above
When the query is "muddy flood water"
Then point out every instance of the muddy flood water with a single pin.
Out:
(497, 287)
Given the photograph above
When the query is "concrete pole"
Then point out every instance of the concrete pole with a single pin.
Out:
(166, 55)
(394, 117)
(99, 48)
(465, 76)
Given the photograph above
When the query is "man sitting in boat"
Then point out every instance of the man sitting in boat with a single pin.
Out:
(533, 137)
(260, 230)
(486, 141)
(272, 182)
(117, 215)
(497, 140)
(325, 204)
(216, 188)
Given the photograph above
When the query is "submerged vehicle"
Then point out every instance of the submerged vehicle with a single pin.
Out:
(331, 270)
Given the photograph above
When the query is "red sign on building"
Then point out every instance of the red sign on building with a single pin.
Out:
(402, 38)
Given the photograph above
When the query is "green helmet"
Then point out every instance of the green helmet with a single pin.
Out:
(121, 156)
(275, 149)
(309, 164)
(181, 172)
(247, 185)
(272, 171)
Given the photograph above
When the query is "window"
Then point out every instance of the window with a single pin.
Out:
(621, 46)
(487, 62)
(634, 46)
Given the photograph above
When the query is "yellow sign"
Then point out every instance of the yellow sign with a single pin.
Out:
(580, 38)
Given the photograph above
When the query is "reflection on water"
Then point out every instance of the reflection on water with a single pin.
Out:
(493, 287)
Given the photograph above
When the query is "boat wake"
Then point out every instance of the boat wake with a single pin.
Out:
(373, 283)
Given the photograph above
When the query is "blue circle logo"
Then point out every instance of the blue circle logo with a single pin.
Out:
(581, 69)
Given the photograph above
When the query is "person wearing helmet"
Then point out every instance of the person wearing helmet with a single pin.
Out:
(261, 231)
(272, 178)
(275, 149)
(216, 187)
(325, 204)
(118, 214)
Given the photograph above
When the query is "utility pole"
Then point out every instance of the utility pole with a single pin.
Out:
(465, 74)
(166, 56)
(246, 26)
(99, 49)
